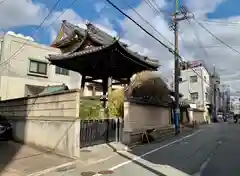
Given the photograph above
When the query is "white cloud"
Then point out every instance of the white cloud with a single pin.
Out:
(226, 61)
(20, 13)
(53, 23)
(72, 17)
(14, 14)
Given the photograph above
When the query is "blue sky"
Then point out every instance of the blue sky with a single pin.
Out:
(87, 10)
(24, 16)
(227, 9)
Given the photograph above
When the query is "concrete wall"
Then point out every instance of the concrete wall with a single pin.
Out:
(49, 121)
(139, 118)
(198, 116)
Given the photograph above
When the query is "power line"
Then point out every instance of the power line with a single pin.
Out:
(52, 24)
(159, 41)
(198, 39)
(168, 40)
(151, 6)
(213, 46)
(2, 1)
(63, 12)
(155, 7)
(221, 22)
(16, 52)
(217, 38)
(170, 49)
(140, 16)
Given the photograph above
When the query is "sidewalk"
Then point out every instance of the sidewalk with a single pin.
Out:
(31, 162)
(98, 153)
(114, 159)
(21, 160)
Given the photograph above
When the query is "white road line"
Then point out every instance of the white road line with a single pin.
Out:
(51, 169)
(150, 152)
(204, 165)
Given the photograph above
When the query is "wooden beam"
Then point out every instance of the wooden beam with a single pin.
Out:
(83, 81)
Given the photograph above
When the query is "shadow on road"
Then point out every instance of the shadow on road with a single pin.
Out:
(138, 163)
(163, 159)
(17, 121)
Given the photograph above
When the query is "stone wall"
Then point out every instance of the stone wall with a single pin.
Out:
(49, 121)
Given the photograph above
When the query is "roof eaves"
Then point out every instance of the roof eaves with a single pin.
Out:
(150, 62)
(77, 54)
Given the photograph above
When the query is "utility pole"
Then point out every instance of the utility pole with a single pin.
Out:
(177, 72)
(179, 15)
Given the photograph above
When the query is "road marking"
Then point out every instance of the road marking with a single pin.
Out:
(150, 152)
(204, 165)
(102, 160)
(51, 169)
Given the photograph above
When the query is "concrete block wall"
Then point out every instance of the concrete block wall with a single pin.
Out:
(138, 117)
(141, 117)
(48, 121)
(198, 116)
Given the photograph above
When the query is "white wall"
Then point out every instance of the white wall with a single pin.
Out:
(14, 69)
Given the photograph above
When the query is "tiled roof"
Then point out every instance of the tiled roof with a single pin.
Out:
(77, 54)
(54, 89)
(98, 36)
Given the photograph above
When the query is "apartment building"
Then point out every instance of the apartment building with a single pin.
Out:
(234, 101)
(195, 83)
(24, 70)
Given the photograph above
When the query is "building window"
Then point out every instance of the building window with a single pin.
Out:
(194, 96)
(38, 67)
(193, 79)
(61, 71)
(205, 78)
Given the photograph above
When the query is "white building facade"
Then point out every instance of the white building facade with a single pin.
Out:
(196, 85)
(24, 70)
(235, 102)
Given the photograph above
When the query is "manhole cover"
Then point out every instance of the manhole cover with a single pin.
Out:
(105, 172)
(89, 173)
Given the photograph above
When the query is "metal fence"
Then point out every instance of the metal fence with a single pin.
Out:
(95, 132)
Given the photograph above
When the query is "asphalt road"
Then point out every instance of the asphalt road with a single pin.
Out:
(212, 150)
